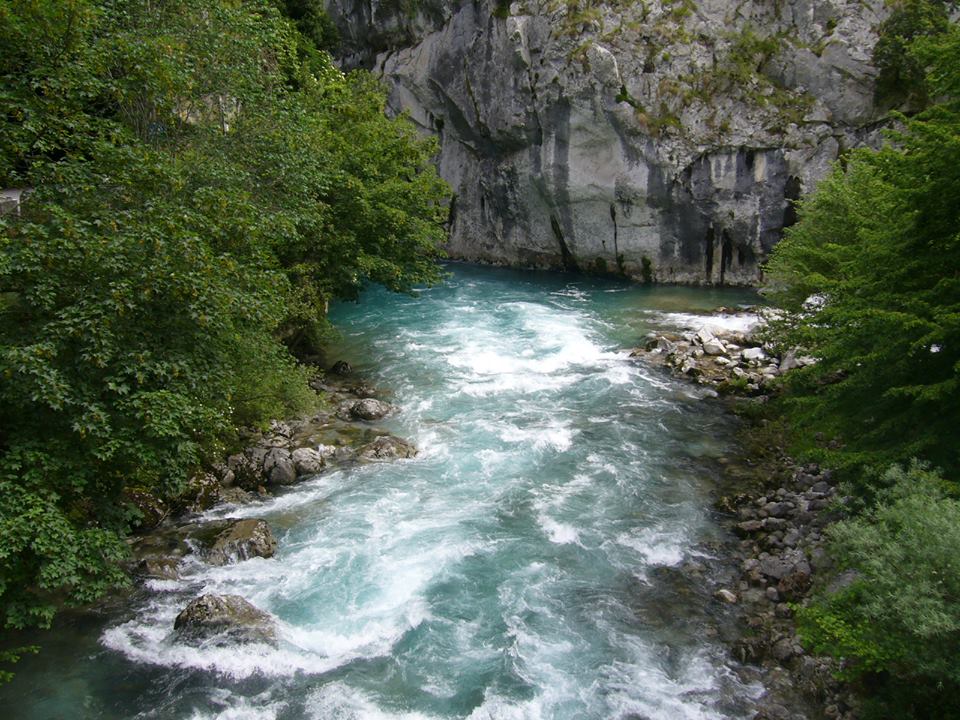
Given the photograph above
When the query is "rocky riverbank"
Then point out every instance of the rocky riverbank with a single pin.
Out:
(288, 452)
(777, 508)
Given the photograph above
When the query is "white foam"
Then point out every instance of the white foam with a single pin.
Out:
(657, 546)
(740, 322)
(339, 701)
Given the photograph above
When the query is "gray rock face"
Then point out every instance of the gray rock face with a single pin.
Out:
(638, 140)
(224, 619)
(242, 540)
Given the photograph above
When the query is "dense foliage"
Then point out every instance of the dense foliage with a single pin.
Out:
(901, 75)
(205, 182)
(871, 279)
(900, 612)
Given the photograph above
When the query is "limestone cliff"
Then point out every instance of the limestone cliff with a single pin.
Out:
(660, 139)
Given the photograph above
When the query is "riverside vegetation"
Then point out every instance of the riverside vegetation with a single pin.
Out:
(870, 278)
(204, 181)
(868, 289)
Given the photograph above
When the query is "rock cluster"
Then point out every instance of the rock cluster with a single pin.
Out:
(780, 551)
(293, 450)
(780, 525)
(728, 361)
(285, 453)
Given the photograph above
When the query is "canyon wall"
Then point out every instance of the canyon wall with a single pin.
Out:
(659, 140)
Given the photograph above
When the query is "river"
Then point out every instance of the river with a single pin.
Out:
(527, 564)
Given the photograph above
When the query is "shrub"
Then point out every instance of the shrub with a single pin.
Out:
(901, 614)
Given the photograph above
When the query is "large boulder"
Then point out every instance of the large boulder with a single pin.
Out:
(247, 468)
(224, 619)
(278, 467)
(308, 461)
(387, 447)
(242, 540)
(202, 492)
(364, 409)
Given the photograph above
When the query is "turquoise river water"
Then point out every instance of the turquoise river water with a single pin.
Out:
(527, 564)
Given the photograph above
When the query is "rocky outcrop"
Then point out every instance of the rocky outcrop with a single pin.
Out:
(242, 540)
(663, 141)
(224, 619)
(731, 362)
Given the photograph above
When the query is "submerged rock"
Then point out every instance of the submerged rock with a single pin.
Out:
(242, 540)
(224, 619)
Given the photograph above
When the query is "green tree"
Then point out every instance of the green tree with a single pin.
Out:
(878, 252)
(901, 77)
(203, 188)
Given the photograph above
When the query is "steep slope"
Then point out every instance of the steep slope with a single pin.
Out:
(662, 140)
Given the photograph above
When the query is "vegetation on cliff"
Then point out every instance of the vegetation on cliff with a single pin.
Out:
(205, 182)
(871, 277)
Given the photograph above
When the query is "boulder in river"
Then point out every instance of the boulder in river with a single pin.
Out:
(224, 619)
(308, 461)
(387, 447)
(242, 540)
(278, 467)
(364, 409)
(159, 568)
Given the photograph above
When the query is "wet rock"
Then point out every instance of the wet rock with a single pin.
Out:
(749, 526)
(387, 447)
(726, 596)
(778, 509)
(247, 468)
(308, 461)
(242, 540)
(152, 509)
(202, 493)
(278, 467)
(368, 409)
(236, 496)
(690, 367)
(160, 568)
(341, 367)
(224, 619)
(773, 711)
(665, 346)
(783, 649)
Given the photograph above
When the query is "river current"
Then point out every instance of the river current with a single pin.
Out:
(527, 564)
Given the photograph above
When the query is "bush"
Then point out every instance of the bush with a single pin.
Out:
(900, 617)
